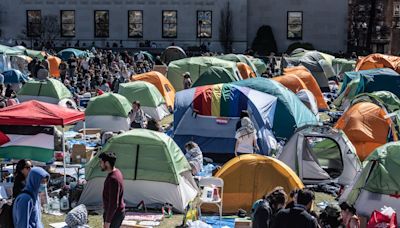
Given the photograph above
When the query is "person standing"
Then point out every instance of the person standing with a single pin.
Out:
(26, 208)
(266, 209)
(187, 81)
(72, 64)
(113, 192)
(246, 138)
(63, 70)
(22, 170)
(194, 156)
(298, 216)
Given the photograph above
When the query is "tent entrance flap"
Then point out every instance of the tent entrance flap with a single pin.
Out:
(137, 160)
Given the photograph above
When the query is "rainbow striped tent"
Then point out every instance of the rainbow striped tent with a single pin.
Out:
(208, 115)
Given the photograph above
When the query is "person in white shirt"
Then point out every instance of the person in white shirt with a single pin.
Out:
(246, 138)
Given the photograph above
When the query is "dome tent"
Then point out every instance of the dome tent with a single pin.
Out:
(109, 111)
(238, 58)
(378, 184)
(154, 168)
(151, 100)
(374, 61)
(321, 154)
(214, 75)
(248, 178)
(49, 90)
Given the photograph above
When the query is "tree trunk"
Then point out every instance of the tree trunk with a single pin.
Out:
(370, 30)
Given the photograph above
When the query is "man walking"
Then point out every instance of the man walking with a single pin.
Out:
(113, 192)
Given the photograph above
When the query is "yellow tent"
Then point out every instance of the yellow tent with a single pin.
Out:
(248, 178)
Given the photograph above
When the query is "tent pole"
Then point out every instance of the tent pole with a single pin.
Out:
(63, 149)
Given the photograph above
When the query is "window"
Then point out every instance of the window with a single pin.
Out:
(295, 25)
(101, 20)
(68, 23)
(135, 23)
(204, 24)
(396, 9)
(169, 23)
(34, 23)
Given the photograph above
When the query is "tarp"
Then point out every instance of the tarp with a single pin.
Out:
(39, 113)
(374, 61)
(108, 104)
(214, 75)
(238, 58)
(290, 112)
(366, 126)
(14, 77)
(209, 114)
(161, 82)
(248, 178)
(312, 85)
(196, 66)
(66, 53)
(50, 88)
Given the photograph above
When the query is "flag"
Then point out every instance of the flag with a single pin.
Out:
(27, 142)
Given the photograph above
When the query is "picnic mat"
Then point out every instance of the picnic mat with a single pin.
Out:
(138, 216)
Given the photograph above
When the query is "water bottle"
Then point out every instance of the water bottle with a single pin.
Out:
(64, 203)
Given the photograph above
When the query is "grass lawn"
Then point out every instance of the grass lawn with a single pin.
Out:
(96, 220)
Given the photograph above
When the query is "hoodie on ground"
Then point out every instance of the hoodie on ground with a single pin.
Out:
(26, 210)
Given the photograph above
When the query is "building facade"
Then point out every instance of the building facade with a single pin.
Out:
(187, 23)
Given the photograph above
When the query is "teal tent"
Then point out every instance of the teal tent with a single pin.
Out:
(66, 53)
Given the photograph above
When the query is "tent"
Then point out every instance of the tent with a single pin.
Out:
(151, 100)
(54, 63)
(374, 61)
(196, 66)
(147, 56)
(162, 84)
(319, 64)
(245, 71)
(14, 77)
(172, 53)
(309, 100)
(20, 62)
(259, 64)
(66, 53)
(50, 91)
(311, 84)
(321, 154)
(109, 111)
(28, 142)
(367, 81)
(378, 184)
(214, 75)
(290, 112)
(340, 66)
(367, 127)
(208, 116)
(248, 178)
(154, 168)
(238, 58)
(291, 81)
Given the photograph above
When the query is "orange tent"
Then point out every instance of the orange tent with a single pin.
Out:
(366, 127)
(161, 82)
(245, 70)
(54, 63)
(292, 82)
(379, 61)
(310, 82)
(248, 178)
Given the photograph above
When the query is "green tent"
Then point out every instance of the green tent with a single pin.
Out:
(6, 50)
(240, 59)
(143, 155)
(382, 98)
(290, 112)
(340, 66)
(50, 90)
(108, 104)
(196, 66)
(142, 91)
(214, 75)
(259, 64)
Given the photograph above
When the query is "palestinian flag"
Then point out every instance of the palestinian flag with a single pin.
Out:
(27, 142)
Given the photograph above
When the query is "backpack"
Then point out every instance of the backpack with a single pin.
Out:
(6, 216)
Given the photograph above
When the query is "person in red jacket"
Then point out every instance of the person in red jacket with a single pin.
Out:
(113, 192)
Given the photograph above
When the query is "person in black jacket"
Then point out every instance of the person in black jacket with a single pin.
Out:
(266, 209)
(22, 171)
(298, 216)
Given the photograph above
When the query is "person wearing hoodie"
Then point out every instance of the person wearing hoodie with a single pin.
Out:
(26, 209)
(194, 156)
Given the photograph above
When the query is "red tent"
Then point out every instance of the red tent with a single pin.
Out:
(39, 113)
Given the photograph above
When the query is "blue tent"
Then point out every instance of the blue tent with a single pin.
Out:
(290, 112)
(66, 53)
(14, 77)
(208, 115)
